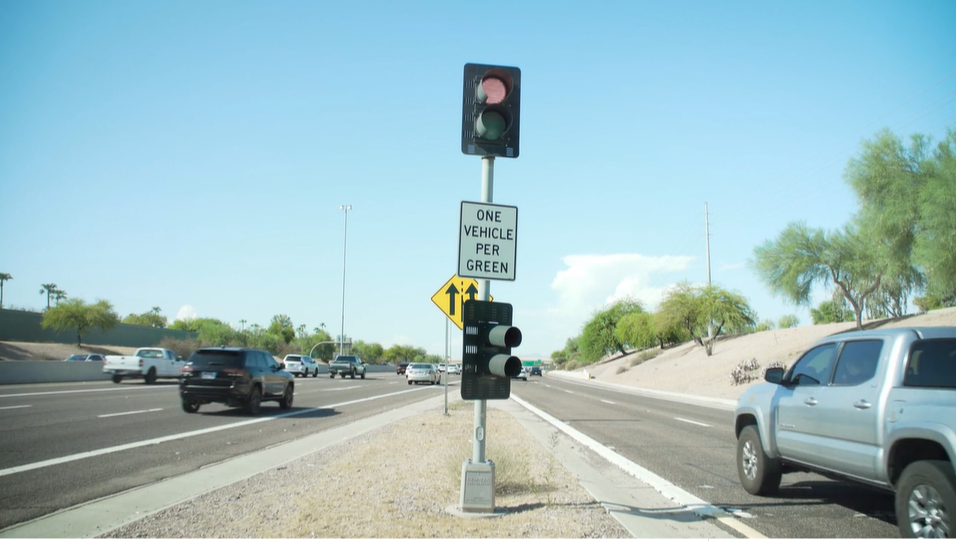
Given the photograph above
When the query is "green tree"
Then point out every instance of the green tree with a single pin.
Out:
(568, 355)
(76, 314)
(935, 247)
(48, 289)
(212, 332)
(401, 353)
(282, 327)
(598, 337)
(788, 321)
(834, 310)
(370, 353)
(3, 278)
(58, 295)
(704, 312)
(637, 330)
(154, 318)
(802, 257)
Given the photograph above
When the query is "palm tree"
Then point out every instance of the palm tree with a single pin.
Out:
(59, 294)
(3, 278)
(48, 289)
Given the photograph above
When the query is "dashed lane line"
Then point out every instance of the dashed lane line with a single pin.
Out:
(182, 435)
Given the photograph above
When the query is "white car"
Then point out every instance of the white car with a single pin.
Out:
(453, 369)
(301, 365)
(523, 375)
(422, 373)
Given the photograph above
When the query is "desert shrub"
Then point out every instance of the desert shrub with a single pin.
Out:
(788, 321)
(745, 372)
(622, 369)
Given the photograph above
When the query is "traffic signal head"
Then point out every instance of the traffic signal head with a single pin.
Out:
(487, 363)
(491, 99)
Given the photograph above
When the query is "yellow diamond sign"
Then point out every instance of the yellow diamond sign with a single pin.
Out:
(450, 298)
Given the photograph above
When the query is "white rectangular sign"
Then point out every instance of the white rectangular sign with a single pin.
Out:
(488, 235)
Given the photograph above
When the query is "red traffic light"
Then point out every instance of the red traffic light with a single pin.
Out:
(490, 107)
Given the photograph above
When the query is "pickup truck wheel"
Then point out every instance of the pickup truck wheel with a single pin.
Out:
(190, 407)
(117, 378)
(351, 374)
(363, 375)
(759, 474)
(332, 375)
(286, 401)
(926, 500)
(254, 401)
(150, 376)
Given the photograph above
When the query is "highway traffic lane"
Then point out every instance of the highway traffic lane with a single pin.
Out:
(64, 422)
(29, 494)
(665, 437)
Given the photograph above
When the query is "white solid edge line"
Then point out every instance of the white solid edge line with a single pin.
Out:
(661, 485)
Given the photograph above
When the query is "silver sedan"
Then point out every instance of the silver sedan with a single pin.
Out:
(422, 373)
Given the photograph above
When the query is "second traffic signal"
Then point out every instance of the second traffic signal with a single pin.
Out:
(487, 363)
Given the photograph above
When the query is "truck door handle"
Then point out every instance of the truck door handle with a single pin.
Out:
(810, 401)
(861, 404)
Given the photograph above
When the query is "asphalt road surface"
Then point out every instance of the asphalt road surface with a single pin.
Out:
(694, 448)
(67, 444)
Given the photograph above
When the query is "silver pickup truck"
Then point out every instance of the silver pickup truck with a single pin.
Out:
(876, 407)
(347, 365)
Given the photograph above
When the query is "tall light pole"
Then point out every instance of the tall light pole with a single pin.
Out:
(345, 247)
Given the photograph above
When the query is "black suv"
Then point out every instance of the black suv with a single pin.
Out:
(237, 377)
(535, 370)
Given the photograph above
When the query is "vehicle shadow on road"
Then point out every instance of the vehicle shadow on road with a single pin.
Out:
(871, 502)
(292, 413)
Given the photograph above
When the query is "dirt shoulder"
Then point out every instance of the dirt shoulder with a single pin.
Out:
(687, 368)
(44, 351)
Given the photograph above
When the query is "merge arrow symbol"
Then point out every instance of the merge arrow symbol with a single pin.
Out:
(451, 291)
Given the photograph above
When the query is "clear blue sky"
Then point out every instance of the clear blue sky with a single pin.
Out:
(193, 155)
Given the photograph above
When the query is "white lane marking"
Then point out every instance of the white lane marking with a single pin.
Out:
(569, 392)
(133, 389)
(183, 435)
(344, 388)
(14, 407)
(661, 485)
(609, 402)
(692, 422)
(129, 413)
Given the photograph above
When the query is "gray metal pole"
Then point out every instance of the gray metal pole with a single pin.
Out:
(345, 246)
(484, 294)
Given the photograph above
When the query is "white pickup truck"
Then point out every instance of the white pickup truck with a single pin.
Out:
(146, 363)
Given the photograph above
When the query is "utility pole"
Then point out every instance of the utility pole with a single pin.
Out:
(710, 323)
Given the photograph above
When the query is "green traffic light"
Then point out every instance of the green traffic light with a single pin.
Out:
(490, 125)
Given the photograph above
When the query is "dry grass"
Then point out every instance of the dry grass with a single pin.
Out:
(397, 482)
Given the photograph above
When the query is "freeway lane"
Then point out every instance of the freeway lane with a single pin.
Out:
(693, 447)
(49, 431)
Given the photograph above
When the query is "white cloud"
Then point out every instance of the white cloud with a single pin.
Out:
(591, 281)
(186, 313)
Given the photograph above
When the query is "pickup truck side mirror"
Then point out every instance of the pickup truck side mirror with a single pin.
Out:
(774, 375)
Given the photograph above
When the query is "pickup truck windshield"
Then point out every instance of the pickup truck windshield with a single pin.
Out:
(151, 354)
(932, 363)
(345, 359)
(202, 359)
